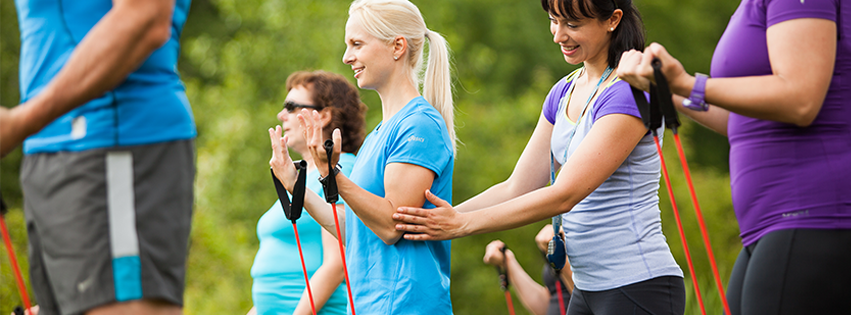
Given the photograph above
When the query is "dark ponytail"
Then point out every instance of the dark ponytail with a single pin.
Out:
(628, 35)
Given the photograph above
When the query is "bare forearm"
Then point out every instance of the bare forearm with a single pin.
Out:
(375, 212)
(776, 99)
(515, 186)
(323, 214)
(112, 49)
(494, 195)
(527, 209)
(567, 277)
(324, 282)
(715, 118)
(534, 296)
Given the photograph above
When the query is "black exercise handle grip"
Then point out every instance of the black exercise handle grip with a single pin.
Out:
(292, 213)
(3, 208)
(503, 271)
(663, 92)
(298, 191)
(329, 185)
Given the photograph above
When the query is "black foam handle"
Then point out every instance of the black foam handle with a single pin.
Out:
(282, 194)
(3, 208)
(503, 272)
(330, 183)
(292, 211)
(298, 191)
(650, 113)
(663, 92)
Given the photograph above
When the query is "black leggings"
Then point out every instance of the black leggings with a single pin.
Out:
(796, 271)
(658, 296)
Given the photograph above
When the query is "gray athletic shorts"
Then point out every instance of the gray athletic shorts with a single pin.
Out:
(108, 225)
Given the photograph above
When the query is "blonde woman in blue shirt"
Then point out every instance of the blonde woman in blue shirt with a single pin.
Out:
(411, 150)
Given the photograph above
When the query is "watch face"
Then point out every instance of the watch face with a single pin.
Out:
(696, 106)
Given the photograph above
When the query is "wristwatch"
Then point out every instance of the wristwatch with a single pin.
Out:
(324, 180)
(696, 101)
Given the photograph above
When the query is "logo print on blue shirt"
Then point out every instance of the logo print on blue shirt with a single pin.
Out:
(415, 138)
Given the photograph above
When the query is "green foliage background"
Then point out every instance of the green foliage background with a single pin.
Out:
(236, 55)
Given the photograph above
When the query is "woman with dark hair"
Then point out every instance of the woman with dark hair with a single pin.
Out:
(279, 288)
(779, 90)
(607, 191)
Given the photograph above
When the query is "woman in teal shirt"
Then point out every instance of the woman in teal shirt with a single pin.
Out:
(278, 279)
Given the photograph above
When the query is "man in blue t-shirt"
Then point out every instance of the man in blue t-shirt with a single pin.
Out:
(108, 163)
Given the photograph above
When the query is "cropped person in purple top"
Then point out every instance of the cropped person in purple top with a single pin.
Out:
(780, 92)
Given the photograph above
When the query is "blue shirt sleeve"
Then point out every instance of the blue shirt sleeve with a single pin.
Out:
(421, 140)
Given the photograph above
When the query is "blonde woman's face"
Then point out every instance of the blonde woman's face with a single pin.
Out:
(371, 58)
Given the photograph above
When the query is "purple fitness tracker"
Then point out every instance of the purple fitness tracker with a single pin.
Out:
(696, 101)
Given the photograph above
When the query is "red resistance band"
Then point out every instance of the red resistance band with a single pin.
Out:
(293, 212)
(343, 257)
(700, 221)
(22, 289)
(18, 277)
(303, 267)
(329, 186)
(661, 105)
(508, 301)
(679, 224)
(502, 271)
(561, 308)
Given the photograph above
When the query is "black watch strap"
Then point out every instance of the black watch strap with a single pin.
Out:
(324, 180)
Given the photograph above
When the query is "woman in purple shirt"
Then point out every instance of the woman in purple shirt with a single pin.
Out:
(781, 81)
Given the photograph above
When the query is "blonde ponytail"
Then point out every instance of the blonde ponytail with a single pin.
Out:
(437, 83)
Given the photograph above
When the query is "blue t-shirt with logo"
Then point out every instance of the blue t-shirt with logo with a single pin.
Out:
(409, 277)
(149, 106)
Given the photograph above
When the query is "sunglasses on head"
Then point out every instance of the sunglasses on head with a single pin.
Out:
(290, 106)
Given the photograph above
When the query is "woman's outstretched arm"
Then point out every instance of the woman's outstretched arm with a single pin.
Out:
(603, 150)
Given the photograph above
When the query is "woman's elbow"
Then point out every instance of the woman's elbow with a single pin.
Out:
(565, 202)
(158, 34)
(391, 236)
(807, 113)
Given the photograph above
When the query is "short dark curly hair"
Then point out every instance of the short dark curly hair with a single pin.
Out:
(331, 91)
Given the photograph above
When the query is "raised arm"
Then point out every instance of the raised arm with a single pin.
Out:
(606, 146)
(531, 172)
(111, 50)
(285, 171)
(403, 184)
